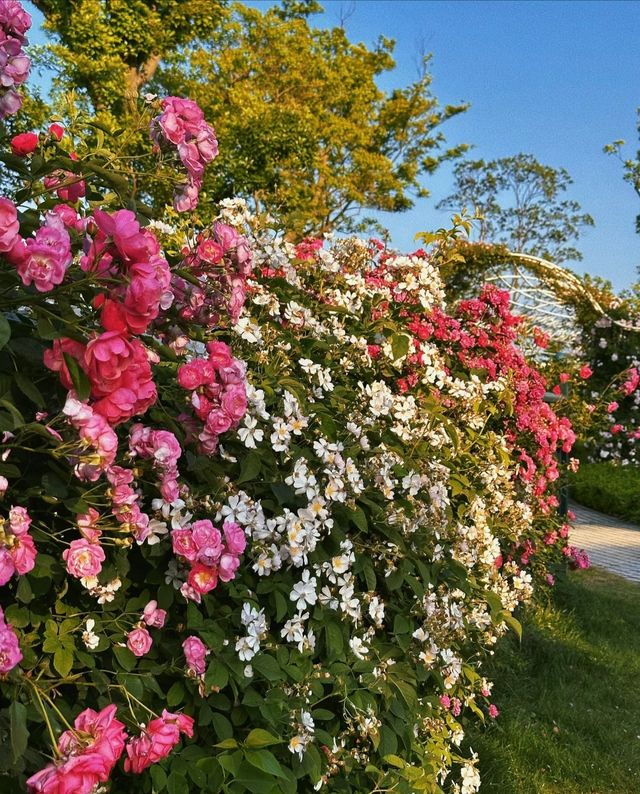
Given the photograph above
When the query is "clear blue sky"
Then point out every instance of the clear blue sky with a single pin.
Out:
(555, 79)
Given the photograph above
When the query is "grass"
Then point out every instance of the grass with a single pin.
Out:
(569, 695)
(614, 490)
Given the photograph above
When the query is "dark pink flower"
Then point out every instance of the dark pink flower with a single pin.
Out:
(195, 652)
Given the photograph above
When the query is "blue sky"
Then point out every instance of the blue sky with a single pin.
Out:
(555, 79)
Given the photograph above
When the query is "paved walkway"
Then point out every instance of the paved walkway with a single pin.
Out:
(611, 543)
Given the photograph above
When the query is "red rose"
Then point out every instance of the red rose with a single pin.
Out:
(24, 144)
(56, 131)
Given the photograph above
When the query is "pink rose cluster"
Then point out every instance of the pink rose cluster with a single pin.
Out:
(89, 752)
(120, 249)
(210, 555)
(163, 448)
(223, 261)
(14, 63)
(17, 549)
(182, 126)
(118, 369)
(125, 503)
(578, 558)
(98, 440)
(218, 393)
(41, 260)
(87, 755)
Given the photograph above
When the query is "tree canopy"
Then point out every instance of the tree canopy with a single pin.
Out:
(521, 203)
(305, 131)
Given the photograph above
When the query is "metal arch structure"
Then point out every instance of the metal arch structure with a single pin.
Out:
(547, 293)
(533, 298)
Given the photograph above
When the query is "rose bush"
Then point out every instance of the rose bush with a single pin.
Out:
(265, 507)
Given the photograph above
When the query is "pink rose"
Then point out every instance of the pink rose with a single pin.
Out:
(19, 520)
(153, 616)
(219, 354)
(7, 565)
(83, 558)
(158, 739)
(183, 544)
(88, 753)
(202, 578)
(234, 538)
(9, 226)
(139, 641)
(218, 421)
(228, 566)
(24, 554)
(234, 401)
(10, 653)
(195, 652)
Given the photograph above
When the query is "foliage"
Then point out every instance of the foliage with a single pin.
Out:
(609, 488)
(631, 166)
(106, 50)
(289, 530)
(304, 130)
(567, 694)
(522, 205)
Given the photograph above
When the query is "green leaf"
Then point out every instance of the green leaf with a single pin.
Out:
(227, 744)
(268, 666)
(265, 761)
(175, 693)
(177, 784)
(29, 389)
(217, 675)
(78, 378)
(19, 731)
(399, 345)
(250, 467)
(258, 737)
(5, 331)
(63, 660)
(125, 658)
(158, 777)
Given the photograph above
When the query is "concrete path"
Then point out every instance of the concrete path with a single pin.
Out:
(611, 543)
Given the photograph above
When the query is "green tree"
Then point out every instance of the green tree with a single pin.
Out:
(305, 132)
(521, 203)
(107, 50)
(631, 165)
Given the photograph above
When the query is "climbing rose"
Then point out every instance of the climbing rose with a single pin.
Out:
(139, 641)
(10, 653)
(195, 652)
(9, 226)
(24, 144)
(89, 754)
(83, 558)
(157, 740)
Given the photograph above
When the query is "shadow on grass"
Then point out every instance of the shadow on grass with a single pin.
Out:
(569, 695)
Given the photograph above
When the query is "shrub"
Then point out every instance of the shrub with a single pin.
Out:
(289, 532)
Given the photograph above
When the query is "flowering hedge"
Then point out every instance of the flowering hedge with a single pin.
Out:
(265, 507)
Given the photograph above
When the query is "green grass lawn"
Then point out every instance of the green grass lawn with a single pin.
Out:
(614, 490)
(569, 695)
